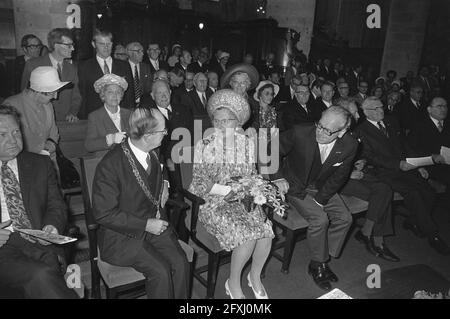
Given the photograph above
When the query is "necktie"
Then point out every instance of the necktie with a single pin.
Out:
(149, 163)
(157, 65)
(204, 99)
(440, 127)
(169, 114)
(382, 128)
(305, 108)
(59, 69)
(14, 202)
(137, 85)
(106, 67)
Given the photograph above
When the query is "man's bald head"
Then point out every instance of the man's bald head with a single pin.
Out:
(438, 108)
(333, 124)
(161, 93)
(135, 52)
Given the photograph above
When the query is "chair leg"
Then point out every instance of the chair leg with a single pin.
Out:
(213, 267)
(110, 293)
(95, 281)
(288, 250)
(191, 275)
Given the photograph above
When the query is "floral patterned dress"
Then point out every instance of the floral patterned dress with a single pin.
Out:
(217, 161)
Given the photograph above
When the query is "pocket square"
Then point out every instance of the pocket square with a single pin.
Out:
(338, 164)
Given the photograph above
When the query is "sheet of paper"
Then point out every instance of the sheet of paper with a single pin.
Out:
(445, 152)
(55, 239)
(420, 161)
(335, 294)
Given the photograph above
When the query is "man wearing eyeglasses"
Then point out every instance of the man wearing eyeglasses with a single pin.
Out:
(31, 46)
(317, 160)
(129, 195)
(156, 63)
(93, 69)
(141, 71)
(61, 46)
(385, 149)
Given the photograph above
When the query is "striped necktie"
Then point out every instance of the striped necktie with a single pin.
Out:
(106, 67)
(137, 85)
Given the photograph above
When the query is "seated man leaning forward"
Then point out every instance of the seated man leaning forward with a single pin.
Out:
(318, 163)
(129, 194)
(30, 199)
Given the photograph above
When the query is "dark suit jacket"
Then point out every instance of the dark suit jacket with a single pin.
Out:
(298, 145)
(284, 95)
(353, 82)
(19, 65)
(381, 152)
(89, 71)
(178, 94)
(326, 74)
(196, 68)
(69, 98)
(145, 78)
(162, 66)
(192, 102)
(317, 108)
(100, 125)
(121, 207)
(409, 115)
(294, 113)
(189, 68)
(40, 192)
(425, 139)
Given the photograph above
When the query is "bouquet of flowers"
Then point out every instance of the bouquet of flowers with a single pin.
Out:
(422, 294)
(255, 190)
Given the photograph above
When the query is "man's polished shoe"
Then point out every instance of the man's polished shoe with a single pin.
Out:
(363, 239)
(330, 274)
(414, 228)
(319, 276)
(385, 253)
(439, 245)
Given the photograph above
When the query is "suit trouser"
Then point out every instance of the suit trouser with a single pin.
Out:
(32, 269)
(328, 226)
(163, 263)
(418, 196)
(379, 197)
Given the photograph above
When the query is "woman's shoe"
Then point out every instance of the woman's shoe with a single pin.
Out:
(258, 295)
(228, 292)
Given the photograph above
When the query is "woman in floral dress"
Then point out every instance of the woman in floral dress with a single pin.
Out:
(224, 154)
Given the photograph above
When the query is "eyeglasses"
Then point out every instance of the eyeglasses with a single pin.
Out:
(104, 44)
(69, 45)
(34, 46)
(325, 130)
(163, 132)
(224, 121)
(138, 51)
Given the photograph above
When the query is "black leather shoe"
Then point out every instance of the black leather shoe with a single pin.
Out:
(439, 245)
(363, 239)
(414, 228)
(319, 275)
(385, 253)
(330, 274)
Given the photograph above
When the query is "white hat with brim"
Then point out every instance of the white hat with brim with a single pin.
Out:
(276, 88)
(108, 79)
(251, 71)
(45, 79)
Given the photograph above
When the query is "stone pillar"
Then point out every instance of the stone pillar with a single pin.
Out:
(405, 36)
(297, 15)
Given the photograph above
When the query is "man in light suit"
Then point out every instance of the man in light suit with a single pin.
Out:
(93, 69)
(61, 46)
(30, 199)
(142, 78)
(318, 160)
(129, 195)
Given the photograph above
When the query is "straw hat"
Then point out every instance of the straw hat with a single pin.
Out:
(108, 79)
(231, 101)
(276, 89)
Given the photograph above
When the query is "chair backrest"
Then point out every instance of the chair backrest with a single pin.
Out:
(88, 166)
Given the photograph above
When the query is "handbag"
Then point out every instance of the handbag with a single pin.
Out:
(69, 177)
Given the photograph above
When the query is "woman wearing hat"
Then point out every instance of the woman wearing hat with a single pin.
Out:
(265, 115)
(242, 78)
(39, 130)
(225, 154)
(175, 57)
(107, 126)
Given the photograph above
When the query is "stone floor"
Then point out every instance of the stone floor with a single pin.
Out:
(350, 267)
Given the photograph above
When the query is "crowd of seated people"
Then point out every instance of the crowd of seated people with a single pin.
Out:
(340, 131)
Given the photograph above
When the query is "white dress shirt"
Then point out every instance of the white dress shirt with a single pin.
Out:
(325, 150)
(376, 124)
(115, 117)
(55, 62)
(200, 96)
(436, 122)
(213, 89)
(328, 104)
(101, 62)
(164, 111)
(155, 64)
(5, 214)
(415, 103)
(133, 69)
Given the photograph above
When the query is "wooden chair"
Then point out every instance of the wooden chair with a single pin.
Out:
(198, 234)
(119, 281)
